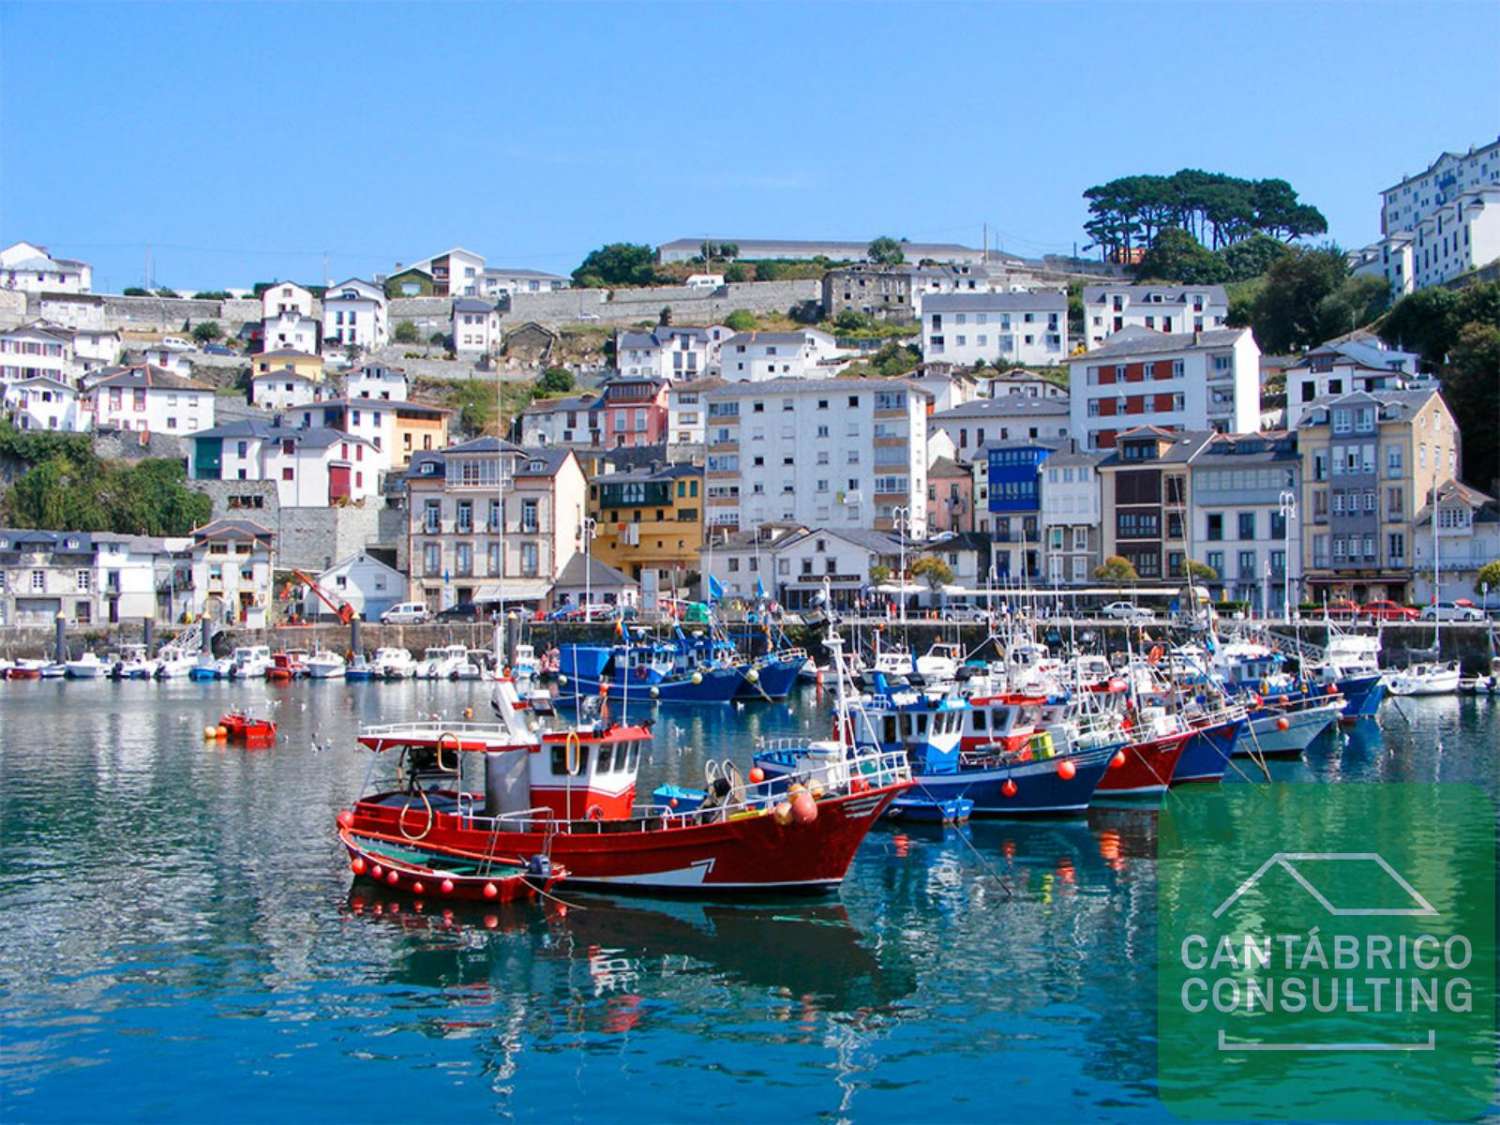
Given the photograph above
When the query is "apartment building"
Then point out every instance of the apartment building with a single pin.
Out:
(376, 381)
(475, 327)
(803, 250)
(1014, 486)
(950, 496)
(1243, 488)
(1456, 238)
(758, 356)
(685, 411)
(1144, 501)
(1183, 381)
(1370, 462)
(233, 567)
(839, 453)
(560, 421)
(1019, 381)
(283, 390)
(1173, 309)
(1008, 418)
(1070, 517)
(996, 328)
(489, 521)
(398, 430)
(453, 273)
(648, 522)
(313, 467)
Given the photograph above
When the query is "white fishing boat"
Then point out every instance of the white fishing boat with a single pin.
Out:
(393, 664)
(86, 667)
(134, 664)
(325, 665)
(176, 665)
(442, 662)
(940, 663)
(54, 671)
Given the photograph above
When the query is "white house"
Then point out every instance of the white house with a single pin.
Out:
(376, 380)
(1108, 309)
(476, 327)
(290, 331)
(844, 453)
(361, 581)
(313, 467)
(45, 403)
(790, 562)
(354, 314)
(560, 421)
(1010, 418)
(665, 352)
(498, 281)
(232, 572)
(757, 356)
(1019, 381)
(1468, 537)
(1361, 362)
(285, 298)
(1183, 381)
(94, 348)
(282, 390)
(147, 399)
(139, 576)
(455, 273)
(29, 267)
(37, 350)
(964, 328)
(1457, 237)
(169, 357)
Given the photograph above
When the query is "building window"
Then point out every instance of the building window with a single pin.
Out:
(1247, 525)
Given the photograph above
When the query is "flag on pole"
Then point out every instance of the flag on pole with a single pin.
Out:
(715, 589)
(760, 590)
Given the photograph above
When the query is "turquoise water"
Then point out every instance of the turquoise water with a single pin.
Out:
(180, 940)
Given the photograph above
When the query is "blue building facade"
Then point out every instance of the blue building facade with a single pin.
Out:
(1015, 504)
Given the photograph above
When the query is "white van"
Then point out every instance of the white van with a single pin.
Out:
(406, 613)
(704, 281)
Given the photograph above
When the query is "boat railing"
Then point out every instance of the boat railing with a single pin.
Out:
(425, 728)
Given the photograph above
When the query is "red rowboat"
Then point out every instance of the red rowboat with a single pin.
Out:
(246, 728)
(569, 796)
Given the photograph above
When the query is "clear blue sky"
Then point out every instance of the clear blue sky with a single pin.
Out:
(242, 141)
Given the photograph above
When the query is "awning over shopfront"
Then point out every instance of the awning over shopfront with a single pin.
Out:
(514, 590)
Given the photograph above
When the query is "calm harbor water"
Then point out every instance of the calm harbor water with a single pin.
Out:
(181, 942)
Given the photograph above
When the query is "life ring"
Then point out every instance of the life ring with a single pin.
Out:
(1155, 655)
(573, 752)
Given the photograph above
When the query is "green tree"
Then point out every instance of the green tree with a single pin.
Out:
(1116, 570)
(73, 490)
(885, 251)
(1489, 575)
(618, 263)
(169, 293)
(1471, 387)
(1200, 571)
(933, 570)
(438, 340)
(879, 574)
(729, 249)
(852, 320)
(1285, 316)
(555, 380)
(1426, 322)
(1251, 257)
(406, 333)
(212, 295)
(664, 318)
(136, 291)
(207, 331)
(1357, 301)
(741, 320)
(1178, 256)
(736, 273)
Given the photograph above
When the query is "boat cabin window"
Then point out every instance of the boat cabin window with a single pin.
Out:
(921, 724)
(605, 756)
(890, 729)
(560, 761)
(981, 719)
(905, 726)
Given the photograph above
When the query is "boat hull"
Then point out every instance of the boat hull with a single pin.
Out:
(1207, 753)
(1145, 769)
(402, 866)
(745, 854)
(776, 678)
(1363, 695)
(1268, 737)
(1023, 789)
(717, 685)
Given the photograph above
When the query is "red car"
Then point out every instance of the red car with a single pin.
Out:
(1388, 611)
(1342, 608)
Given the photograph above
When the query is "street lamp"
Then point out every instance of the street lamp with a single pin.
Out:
(586, 531)
(1288, 508)
(901, 521)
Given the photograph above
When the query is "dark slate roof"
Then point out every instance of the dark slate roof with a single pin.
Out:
(148, 375)
(15, 538)
(1394, 405)
(311, 437)
(471, 305)
(600, 575)
(682, 469)
(374, 404)
(948, 468)
(1006, 406)
(284, 353)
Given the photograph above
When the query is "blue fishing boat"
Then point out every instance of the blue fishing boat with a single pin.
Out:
(650, 673)
(1207, 753)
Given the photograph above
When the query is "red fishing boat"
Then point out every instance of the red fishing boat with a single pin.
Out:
(1145, 767)
(286, 666)
(568, 797)
(240, 727)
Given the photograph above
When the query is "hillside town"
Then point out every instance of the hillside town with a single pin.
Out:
(468, 436)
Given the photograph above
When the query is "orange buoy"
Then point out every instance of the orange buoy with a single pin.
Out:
(1010, 789)
(490, 890)
(446, 886)
(377, 872)
(1331, 690)
(1067, 770)
(346, 819)
(757, 775)
(1282, 723)
(804, 808)
(782, 814)
(357, 865)
(417, 888)
(392, 878)
(1118, 760)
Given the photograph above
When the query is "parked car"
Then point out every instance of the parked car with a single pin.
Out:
(1126, 611)
(217, 349)
(464, 611)
(406, 613)
(1461, 610)
(1388, 611)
